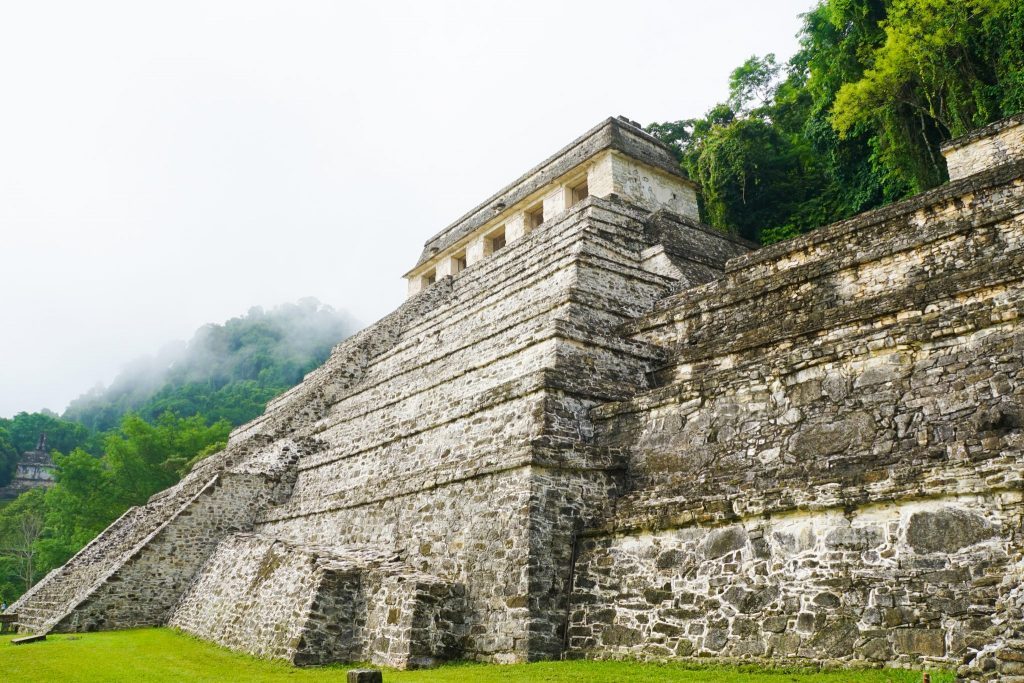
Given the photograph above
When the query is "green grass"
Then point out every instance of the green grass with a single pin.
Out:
(164, 655)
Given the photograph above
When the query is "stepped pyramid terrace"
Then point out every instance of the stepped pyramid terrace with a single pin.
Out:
(598, 428)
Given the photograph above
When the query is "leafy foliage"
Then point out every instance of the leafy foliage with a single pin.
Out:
(856, 117)
(24, 429)
(21, 525)
(8, 457)
(937, 75)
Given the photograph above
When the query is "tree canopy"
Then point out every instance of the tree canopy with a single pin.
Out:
(855, 119)
(8, 457)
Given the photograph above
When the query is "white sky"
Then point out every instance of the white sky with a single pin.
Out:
(168, 164)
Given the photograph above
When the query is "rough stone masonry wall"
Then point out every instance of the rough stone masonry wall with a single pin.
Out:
(413, 620)
(999, 143)
(894, 584)
(831, 466)
(255, 594)
(429, 452)
(432, 452)
(317, 605)
(454, 529)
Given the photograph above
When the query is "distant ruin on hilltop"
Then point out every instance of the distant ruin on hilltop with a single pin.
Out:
(35, 469)
(598, 428)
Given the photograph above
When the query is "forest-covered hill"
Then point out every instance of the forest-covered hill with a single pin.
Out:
(116, 446)
(226, 371)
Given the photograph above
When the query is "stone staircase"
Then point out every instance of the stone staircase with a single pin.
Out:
(57, 594)
(61, 600)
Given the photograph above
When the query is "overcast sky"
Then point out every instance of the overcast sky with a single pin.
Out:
(168, 164)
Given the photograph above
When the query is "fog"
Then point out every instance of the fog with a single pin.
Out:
(166, 165)
(282, 342)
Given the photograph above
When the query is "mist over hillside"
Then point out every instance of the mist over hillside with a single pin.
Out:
(226, 371)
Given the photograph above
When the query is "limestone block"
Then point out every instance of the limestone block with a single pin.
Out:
(515, 227)
(414, 285)
(365, 676)
(930, 642)
(446, 267)
(601, 176)
(999, 143)
(477, 250)
(555, 201)
(653, 188)
(947, 530)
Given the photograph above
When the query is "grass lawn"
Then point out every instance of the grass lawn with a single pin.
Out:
(165, 655)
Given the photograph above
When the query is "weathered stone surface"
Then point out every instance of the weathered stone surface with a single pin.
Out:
(725, 541)
(365, 676)
(1001, 142)
(947, 530)
(833, 437)
(836, 640)
(930, 642)
(855, 538)
(841, 401)
(615, 636)
(669, 559)
(35, 469)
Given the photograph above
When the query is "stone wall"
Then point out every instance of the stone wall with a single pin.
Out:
(256, 594)
(642, 185)
(830, 467)
(899, 584)
(314, 605)
(1001, 652)
(999, 143)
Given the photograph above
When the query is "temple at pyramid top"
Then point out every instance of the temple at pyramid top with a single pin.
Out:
(615, 157)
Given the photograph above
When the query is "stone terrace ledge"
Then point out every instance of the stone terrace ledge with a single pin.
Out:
(997, 143)
(773, 257)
